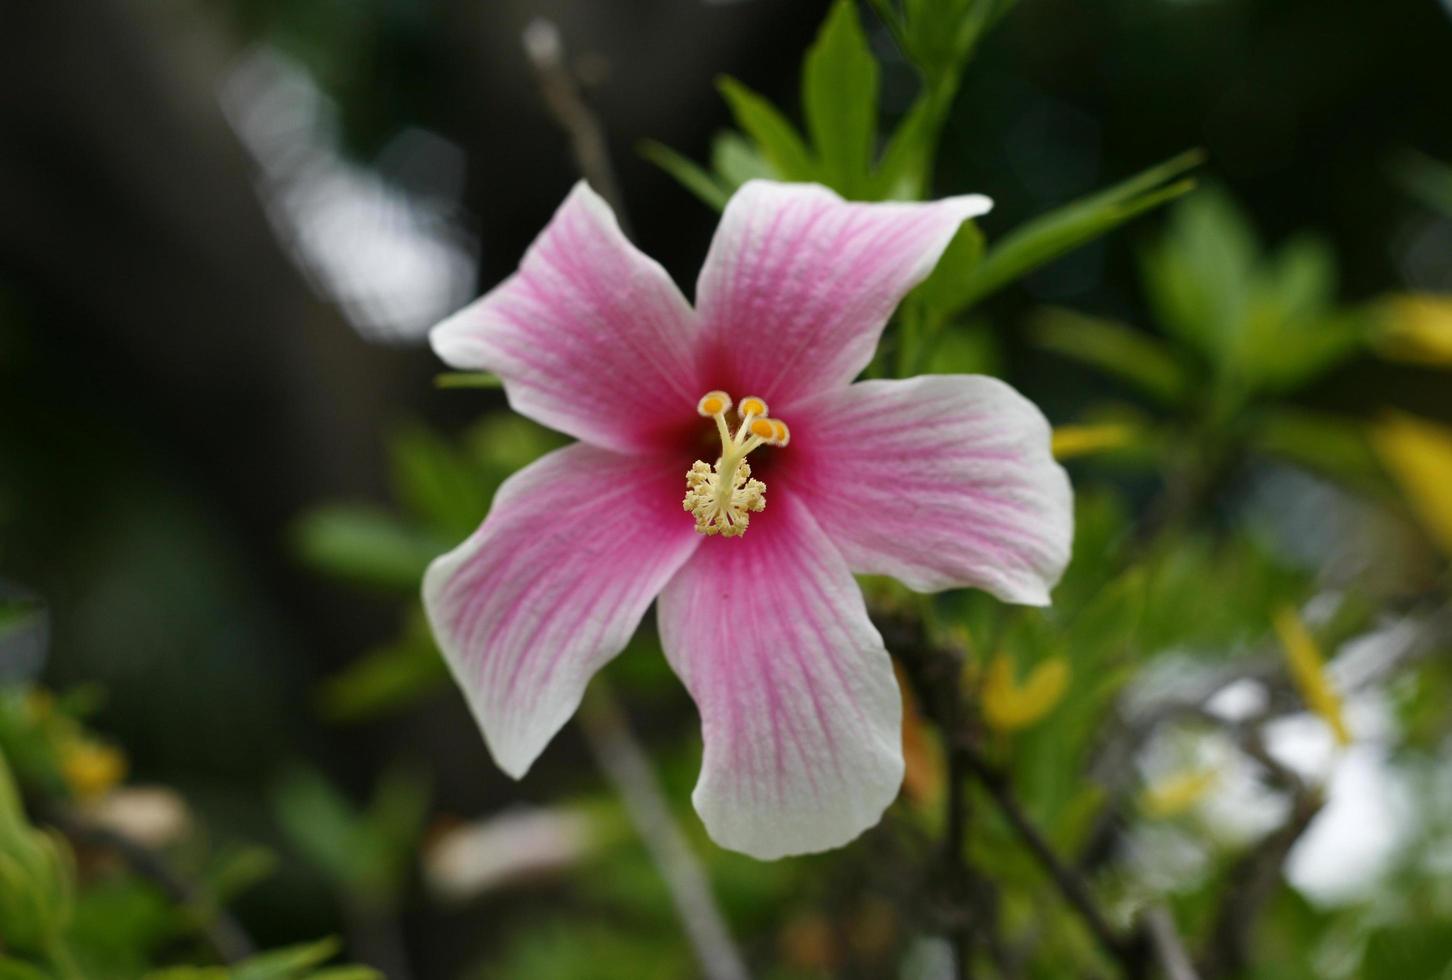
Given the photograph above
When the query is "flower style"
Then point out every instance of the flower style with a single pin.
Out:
(940, 482)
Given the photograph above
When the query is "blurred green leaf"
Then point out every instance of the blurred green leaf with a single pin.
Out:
(899, 174)
(468, 379)
(1199, 277)
(779, 142)
(1409, 951)
(363, 545)
(436, 481)
(1114, 348)
(384, 680)
(689, 174)
(1047, 237)
(966, 348)
(839, 100)
(949, 285)
(736, 160)
(16, 970)
(1427, 179)
(1327, 444)
(366, 852)
(37, 879)
(1263, 323)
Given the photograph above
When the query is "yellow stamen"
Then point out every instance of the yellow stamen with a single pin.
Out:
(714, 403)
(723, 497)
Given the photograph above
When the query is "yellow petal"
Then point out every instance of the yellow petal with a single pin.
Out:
(1308, 671)
(1085, 440)
(1417, 328)
(1009, 706)
(1418, 455)
(1176, 794)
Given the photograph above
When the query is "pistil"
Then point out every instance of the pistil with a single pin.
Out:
(723, 497)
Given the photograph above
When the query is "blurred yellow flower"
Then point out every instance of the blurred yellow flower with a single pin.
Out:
(1009, 706)
(1308, 671)
(1085, 440)
(1417, 328)
(90, 768)
(1176, 794)
(1418, 455)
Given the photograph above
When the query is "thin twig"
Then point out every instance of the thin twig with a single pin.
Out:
(1253, 878)
(1074, 889)
(546, 53)
(225, 935)
(625, 764)
(616, 750)
(924, 664)
(1168, 946)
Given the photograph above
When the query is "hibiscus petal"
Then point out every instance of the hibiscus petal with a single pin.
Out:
(590, 336)
(798, 283)
(939, 481)
(800, 712)
(552, 586)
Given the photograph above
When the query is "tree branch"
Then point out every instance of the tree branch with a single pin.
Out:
(226, 937)
(616, 750)
(546, 53)
(625, 764)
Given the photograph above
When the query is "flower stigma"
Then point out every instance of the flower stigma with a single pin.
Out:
(723, 497)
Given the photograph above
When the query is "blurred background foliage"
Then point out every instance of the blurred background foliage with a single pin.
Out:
(1219, 259)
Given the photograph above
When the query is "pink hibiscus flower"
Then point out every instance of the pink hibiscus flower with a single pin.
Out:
(940, 482)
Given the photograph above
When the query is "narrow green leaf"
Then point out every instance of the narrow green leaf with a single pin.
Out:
(839, 100)
(1114, 348)
(362, 545)
(899, 174)
(1327, 444)
(1199, 277)
(384, 680)
(780, 143)
(946, 288)
(691, 176)
(736, 161)
(1051, 235)
(467, 379)
(1425, 178)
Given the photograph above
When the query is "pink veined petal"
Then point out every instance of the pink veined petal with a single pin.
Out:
(552, 586)
(590, 336)
(939, 481)
(798, 283)
(800, 712)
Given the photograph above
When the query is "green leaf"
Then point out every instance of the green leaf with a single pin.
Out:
(362, 545)
(736, 160)
(1114, 348)
(1049, 236)
(1427, 179)
(900, 173)
(297, 963)
(468, 379)
(1411, 951)
(436, 481)
(1201, 275)
(779, 142)
(946, 289)
(839, 100)
(322, 825)
(384, 680)
(690, 175)
(1327, 444)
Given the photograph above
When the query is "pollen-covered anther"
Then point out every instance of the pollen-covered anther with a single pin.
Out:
(723, 497)
(714, 403)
